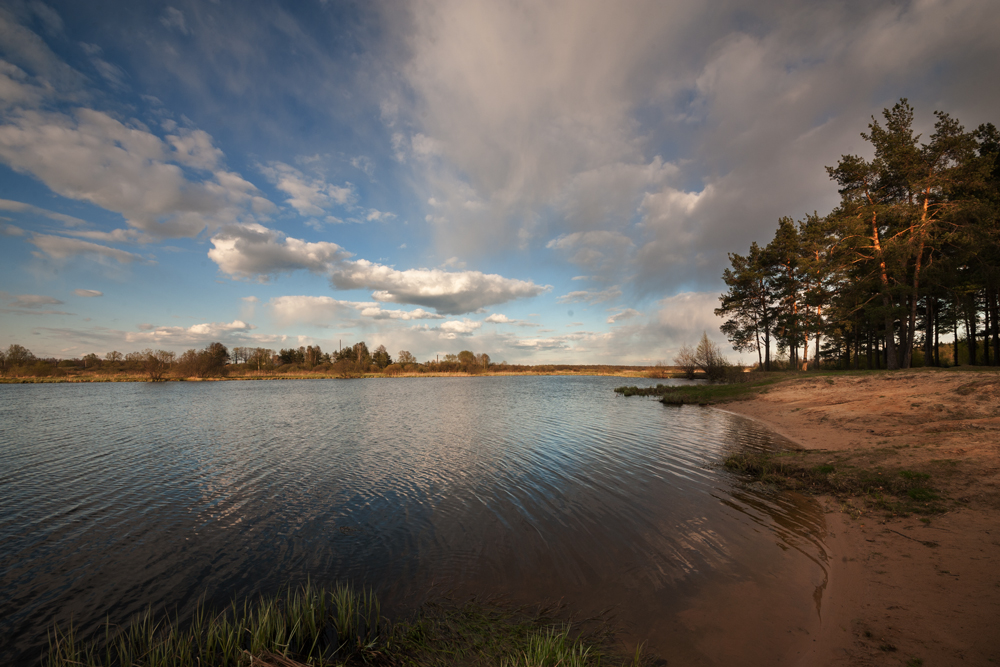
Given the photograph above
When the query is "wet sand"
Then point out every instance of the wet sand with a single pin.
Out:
(904, 591)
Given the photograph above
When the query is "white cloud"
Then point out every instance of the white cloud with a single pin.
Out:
(194, 148)
(93, 157)
(378, 216)
(326, 311)
(498, 318)
(246, 251)
(626, 314)
(466, 326)
(60, 247)
(89, 293)
(541, 344)
(450, 293)
(197, 334)
(308, 196)
(376, 312)
(591, 296)
(250, 299)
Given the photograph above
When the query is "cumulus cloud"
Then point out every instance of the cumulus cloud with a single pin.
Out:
(466, 326)
(450, 293)
(687, 127)
(93, 157)
(252, 250)
(500, 138)
(246, 251)
(89, 293)
(309, 196)
(327, 311)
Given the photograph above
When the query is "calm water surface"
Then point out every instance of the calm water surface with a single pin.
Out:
(539, 489)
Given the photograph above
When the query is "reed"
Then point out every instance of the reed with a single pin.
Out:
(313, 627)
(307, 626)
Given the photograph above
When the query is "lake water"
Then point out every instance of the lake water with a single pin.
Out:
(538, 489)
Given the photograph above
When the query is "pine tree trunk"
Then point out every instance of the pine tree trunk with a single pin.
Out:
(986, 328)
(937, 335)
(928, 331)
(970, 329)
(994, 307)
(868, 350)
(957, 308)
(857, 344)
(905, 334)
(912, 328)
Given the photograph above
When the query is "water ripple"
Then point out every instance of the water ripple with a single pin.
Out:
(115, 496)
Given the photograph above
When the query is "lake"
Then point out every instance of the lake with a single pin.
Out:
(536, 489)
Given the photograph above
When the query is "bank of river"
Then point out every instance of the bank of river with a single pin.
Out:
(910, 582)
(535, 489)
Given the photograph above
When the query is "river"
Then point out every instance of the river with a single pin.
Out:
(539, 489)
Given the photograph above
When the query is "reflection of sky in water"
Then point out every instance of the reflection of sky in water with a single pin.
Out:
(536, 488)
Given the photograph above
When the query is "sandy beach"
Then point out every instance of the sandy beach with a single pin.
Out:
(903, 590)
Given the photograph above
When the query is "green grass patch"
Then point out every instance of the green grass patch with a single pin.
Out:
(313, 627)
(898, 492)
(706, 394)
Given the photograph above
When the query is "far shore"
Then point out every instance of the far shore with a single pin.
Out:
(906, 586)
(604, 371)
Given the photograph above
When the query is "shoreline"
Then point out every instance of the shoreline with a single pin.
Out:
(903, 588)
(85, 379)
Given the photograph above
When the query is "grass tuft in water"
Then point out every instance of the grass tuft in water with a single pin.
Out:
(313, 627)
(306, 626)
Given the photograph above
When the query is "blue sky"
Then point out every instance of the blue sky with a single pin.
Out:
(552, 182)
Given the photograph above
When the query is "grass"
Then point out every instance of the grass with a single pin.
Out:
(895, 491)
(708, 394)
(315, 627)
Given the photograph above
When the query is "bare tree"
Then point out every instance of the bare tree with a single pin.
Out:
(156, 364)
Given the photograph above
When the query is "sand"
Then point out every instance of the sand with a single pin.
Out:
(904, 591)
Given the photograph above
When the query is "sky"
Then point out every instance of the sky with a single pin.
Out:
(546, 182)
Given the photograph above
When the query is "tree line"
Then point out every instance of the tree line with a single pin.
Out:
(910, 255)
(216, 360)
